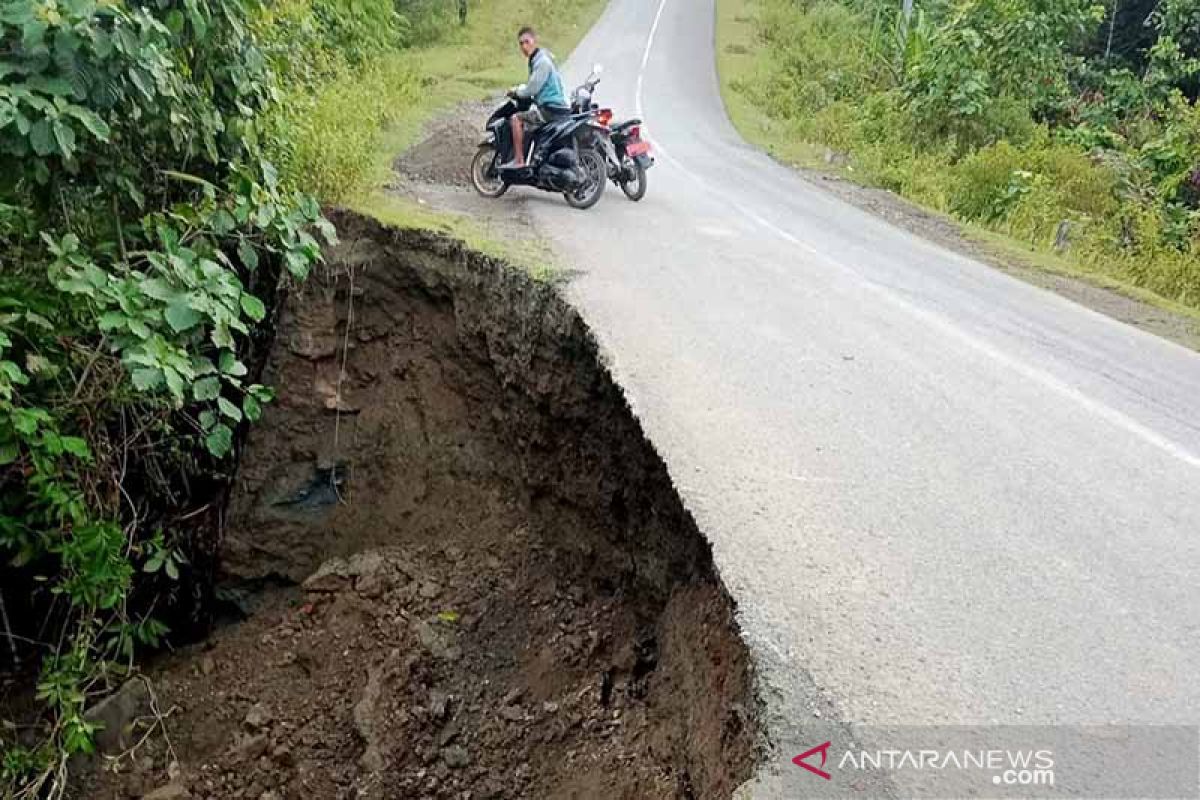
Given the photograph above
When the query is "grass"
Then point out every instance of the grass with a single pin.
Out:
(1013, 251)
(744, 59)
(532, 255)
(739, 60)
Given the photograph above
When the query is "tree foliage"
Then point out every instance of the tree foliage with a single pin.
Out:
(1019, 114)
(142, 234)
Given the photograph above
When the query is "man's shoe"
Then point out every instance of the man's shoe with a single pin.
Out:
(512, 165)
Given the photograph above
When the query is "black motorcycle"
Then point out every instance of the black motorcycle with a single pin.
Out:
(567, 155)
(627, 154)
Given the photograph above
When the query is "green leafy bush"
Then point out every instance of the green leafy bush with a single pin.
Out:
(325, 139)
(814, 66)
(142, 235)
(1015, 114)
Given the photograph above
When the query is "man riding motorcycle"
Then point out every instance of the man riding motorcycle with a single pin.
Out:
(544, 88)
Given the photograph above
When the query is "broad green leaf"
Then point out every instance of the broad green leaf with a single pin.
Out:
(263, 394)
(147, 380)
(75, 446)
(196, 17)
(64, 135)
(41, 139)
(39, 320)
(221, 336)
(111, 321)
(202, 366)
(181, 317)
(174, 384)
(138, 328)
(220, 441)
(264, 215)
(143, 83)
(206, 389)
(229, 409)
(297, 264)
(253, 307)
(25, 421)
(248, 255)
(252, 408)
(13, 373)
(327, 230)
(49, 85)
(223, 223)
(9, 452)
(94, 125)
(230, 365)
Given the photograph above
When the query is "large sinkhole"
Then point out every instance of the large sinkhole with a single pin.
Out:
(461, 570)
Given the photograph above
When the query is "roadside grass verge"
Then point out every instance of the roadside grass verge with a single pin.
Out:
(532, 255)
(350, 129)
(798, 81)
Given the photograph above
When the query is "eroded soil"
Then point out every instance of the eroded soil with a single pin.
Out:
(464, 571)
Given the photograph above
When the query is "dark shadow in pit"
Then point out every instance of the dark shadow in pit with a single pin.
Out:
(495, 588)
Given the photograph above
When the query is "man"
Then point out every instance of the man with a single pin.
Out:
(544, 88)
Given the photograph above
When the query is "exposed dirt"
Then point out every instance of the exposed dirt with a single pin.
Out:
(444, 155)
(436, 173)
(465, 570)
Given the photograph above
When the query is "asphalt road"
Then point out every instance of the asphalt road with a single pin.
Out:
(938, 494)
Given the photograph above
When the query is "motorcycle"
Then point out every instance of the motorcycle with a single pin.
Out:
(627, 155)
(567, 155)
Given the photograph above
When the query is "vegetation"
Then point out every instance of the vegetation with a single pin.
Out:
(162, 166)
(1070, 125)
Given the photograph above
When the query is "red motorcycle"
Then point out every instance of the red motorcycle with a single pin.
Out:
(632, 158)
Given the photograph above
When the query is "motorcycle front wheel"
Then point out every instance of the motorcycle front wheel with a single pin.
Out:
(635, 188)
(485, 175)
(587, 195)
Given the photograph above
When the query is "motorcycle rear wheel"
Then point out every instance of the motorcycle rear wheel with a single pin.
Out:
(484, 174)
(635, 189)
(586, 196)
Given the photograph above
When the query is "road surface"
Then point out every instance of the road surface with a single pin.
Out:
(938, 494)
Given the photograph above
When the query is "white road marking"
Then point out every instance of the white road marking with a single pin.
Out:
(948, 328)
(637, 98)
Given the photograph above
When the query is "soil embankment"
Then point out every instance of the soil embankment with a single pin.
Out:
(464, 571)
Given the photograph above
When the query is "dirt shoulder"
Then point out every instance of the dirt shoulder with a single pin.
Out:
(1181, 328)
